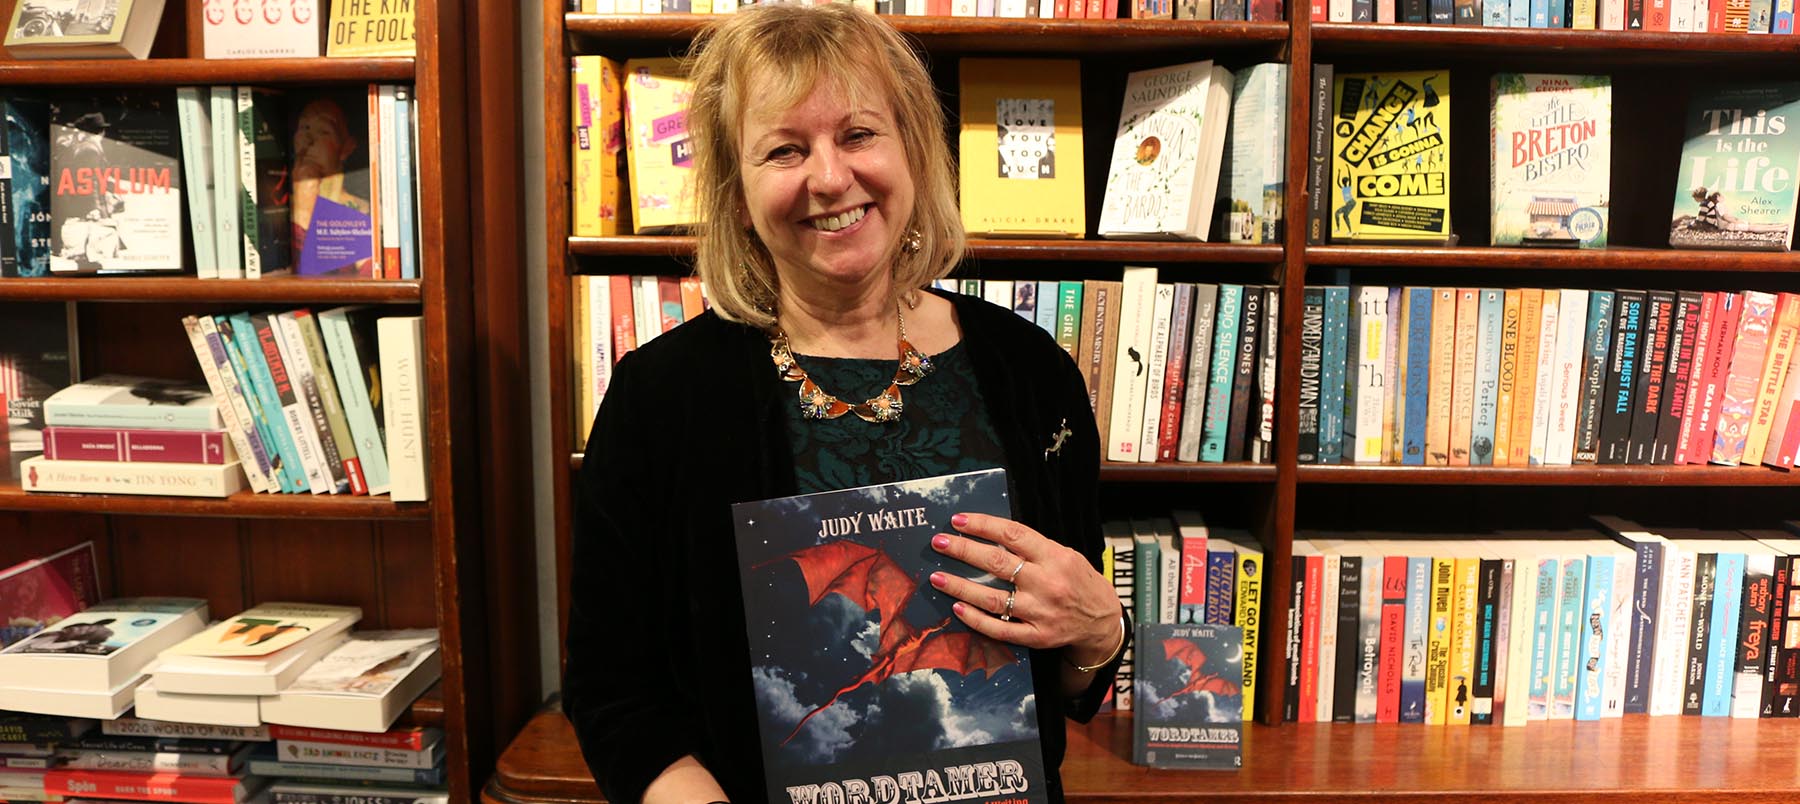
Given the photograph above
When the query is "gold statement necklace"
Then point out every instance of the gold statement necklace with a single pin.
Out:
(880, 409)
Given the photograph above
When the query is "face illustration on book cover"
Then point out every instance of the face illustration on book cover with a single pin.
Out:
(866, 682)
(330, 211)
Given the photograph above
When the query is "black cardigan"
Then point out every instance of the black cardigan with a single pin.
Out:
(658, 661)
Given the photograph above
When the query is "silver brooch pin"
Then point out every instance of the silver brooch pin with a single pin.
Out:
(1058, 438)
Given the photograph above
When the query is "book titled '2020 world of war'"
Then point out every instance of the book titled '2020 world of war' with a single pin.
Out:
(868, 688)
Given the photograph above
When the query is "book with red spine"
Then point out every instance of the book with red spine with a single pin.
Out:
(668, 302)
(1677, 376)
(1168, 434)
(122, 445)
(155, 786)
(1696, 373)
(624, 323)
(1309, 648)
(1739, 398)
(413, 738)
(1393, 635)
(1712, 380)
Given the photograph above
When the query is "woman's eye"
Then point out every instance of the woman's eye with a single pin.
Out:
(858, 136)
(785, 153)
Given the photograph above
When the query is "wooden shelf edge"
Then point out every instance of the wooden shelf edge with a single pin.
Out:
(188, 288)
(682, 246)
(1548, 475)
(654, 27)
(243, 504)
(1608, 259)
(1116, 472)
(1685, 45)
(177, 72)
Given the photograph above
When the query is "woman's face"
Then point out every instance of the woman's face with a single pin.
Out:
(827, 187)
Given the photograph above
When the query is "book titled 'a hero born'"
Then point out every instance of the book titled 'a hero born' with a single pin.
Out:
(868, 688)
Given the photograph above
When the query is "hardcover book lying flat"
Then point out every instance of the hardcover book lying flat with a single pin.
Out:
(101, 648)
(867, 684)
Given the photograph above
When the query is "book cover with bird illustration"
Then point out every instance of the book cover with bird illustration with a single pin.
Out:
(867, 685)
(1190, 696)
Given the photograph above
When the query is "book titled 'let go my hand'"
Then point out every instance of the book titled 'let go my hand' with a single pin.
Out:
(867, 685)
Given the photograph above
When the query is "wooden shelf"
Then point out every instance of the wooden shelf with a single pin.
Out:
(283, 289)
(682, 246)
(1469, 41)
(427, 710)
(244, 504)
(182, 72)
(1590, 475)
(1607, 259)
(967, 34)
(1115, 472)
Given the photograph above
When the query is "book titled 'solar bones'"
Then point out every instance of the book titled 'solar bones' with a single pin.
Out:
(1390, 157)
(1164, 171)
(1021, 147)
(1736, 189)
(868, 688)
(1190, 696)
(1552, 159)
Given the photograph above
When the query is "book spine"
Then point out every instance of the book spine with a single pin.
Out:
(103, 477)
(1738, 401)
(1677, 375)
(1550, 326)
(1292, 649)
(1462, 393)
(1412, 653)
(1368, 640)
(338, 426)
(1224, 364)
(1221, 572)
(1487, 377)
(1752, 643)
(357, 755)
(1440, 393)
(297, 409)
(1787, 675)
(347, 368)
(140, 727)
(1137, 314)
(1647, 596)
(1414, 382)
(1620, 613)
(1543, 639)
(1487, 633)
(196, 163)
(252, 446)
(1531, 313)
(319, 770)
(406, 226)
(360, 797)
(1248, 619)
(1717, 369)
(248, 219)
(401, 346)
(1191, 604)
(1463, 638)
(1370, 320)
(238, 335)
(1685, 443)
(1349, 640)
(1318, 166)
(136, 446)
(1773, 657)
(1509, 376)
(1392, 637)
(1312, 337)
(1594, 633)
(1559, 445)
(147, 762)
(1774, 375)
(1068, 316)
(1263, 447)
(1199, 372)
(1149, 439)
(227, 245)
(1237, 431)
(1437, 645)
(1333, 352)
(1599, 387)
(1722, 636)
(1568, 630)
(1699, 633)
(142, 786)
(1329, 578)
(1647, 405)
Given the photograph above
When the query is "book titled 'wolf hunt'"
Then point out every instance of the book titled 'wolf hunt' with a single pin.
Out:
(1552, 159)
(1739, 167)
(867, 685)
(1190, 697)
(1390, 164)
(115, 184)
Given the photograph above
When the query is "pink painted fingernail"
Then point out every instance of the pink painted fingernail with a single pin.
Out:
(940, 541)
(957, 607)
(938, 580)
(959, 520)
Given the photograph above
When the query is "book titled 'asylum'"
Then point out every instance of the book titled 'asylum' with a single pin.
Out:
(868, 687)
(115, 167)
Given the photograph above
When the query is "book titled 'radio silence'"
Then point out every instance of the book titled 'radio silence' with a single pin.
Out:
(867, 685)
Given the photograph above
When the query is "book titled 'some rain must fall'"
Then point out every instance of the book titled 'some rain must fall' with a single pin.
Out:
(868, 687)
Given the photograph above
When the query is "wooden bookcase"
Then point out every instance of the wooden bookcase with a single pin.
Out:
(1637, 759)
(436, 564)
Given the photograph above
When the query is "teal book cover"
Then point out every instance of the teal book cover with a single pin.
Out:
(1739, 168)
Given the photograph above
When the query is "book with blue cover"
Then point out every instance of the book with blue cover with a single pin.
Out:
(1190, 697)
(863, 674)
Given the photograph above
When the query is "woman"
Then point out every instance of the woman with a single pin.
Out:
(823, 175)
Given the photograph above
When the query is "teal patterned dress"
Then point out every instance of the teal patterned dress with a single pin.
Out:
(944, 429)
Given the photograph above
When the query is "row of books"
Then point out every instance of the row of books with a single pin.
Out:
(1254, 10)
(293, 403)
(53, 758)
(1197, 144)
(316, 183)
(99, 29)
(1512, 628)
(1379, 169)
(1683, 16)
(1526, 377)
(616, 314)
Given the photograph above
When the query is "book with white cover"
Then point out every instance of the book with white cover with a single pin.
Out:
(1164, 173)
(61, 29)
(110, 477)
(239, 32)
(1130, 379)
(100, 705)
(101, 648)
(216, 710)
(113, 400)
(363, 685)
(401, 342)
(258, 652)
(1565, 382)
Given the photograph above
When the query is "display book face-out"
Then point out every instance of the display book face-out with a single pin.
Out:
(844, 625)
(115, 184)
(1552, 159)
(1739, 168)
(1164, 170)
(1021, 147)
(1189, 708)
(1390, 157)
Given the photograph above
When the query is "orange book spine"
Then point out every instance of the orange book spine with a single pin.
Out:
(1531, 317)
(1509, 376)
(1443, 364)
(1462, 392)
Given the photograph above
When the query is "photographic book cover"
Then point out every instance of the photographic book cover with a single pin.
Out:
(115, 165)
(1190, 696)
(1390, 165)
(1552, 160)
(62, 22)
(1736, 189)
(110, 626)
(38, 593)
(329, 209)
(864, 677)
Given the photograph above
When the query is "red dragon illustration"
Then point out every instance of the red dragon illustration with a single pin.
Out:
(1189, 654)
(869, 578)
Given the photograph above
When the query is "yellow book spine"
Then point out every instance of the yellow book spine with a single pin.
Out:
(1531, 312)
(1462, 394)
(1391, 404)
(1509, 376)
(1443, 371)
(582, 353)
(584, 145)
(1462, 641)
(1248, 618)
(659, 154)
(370, 29)
(1437, 641)
(1774, 376)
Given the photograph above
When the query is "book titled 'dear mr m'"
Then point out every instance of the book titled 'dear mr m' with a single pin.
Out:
(1190, 696)
(867, 685)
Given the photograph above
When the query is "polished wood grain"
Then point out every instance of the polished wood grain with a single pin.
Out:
(565, 425)
(242, 504)
(680, 246)
(1617, 258)
(1432, 41)
(1117, 472)
(995, 35)
(184, 72)
(273, 290)
(1588, 475)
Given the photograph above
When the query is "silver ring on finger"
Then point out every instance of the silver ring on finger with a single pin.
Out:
(1006, 614)
(1014, 578)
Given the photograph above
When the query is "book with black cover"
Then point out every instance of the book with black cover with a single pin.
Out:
(842, 618)
(37, 359)
(1190, 698)
(115, 181)
(28, 151)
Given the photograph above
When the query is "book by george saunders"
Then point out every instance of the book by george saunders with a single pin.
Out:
(867, 685)
(1390, 158)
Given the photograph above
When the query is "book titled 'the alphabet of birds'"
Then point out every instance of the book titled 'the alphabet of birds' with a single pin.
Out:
(868, 688)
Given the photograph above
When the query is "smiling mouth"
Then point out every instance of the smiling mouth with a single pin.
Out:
(840, 221)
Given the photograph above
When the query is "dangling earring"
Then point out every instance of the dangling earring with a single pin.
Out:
(911, 242)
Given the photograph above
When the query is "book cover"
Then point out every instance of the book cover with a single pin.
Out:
(1164, 169)
(39, 592)
(28, 158)
(265, 629)
(659, 155)
(1441, 377)
(1551, 166)
(400, 345)
(112, 400)
(1391, 157)
(1736, 188)
(600, 205)
(1333, 370)
(1487, 376)
(1738, 401)
(1256, 154)
(291, 30)
(1776, 367)
(69, 29)
(1412, 654)
(115, 164)
(1312, 337)
(370, 29)
(98, 649)
(1021, 148)
(1190, 697)
(1612, 421)
(329, 208)
(264, 182)
(840, 616)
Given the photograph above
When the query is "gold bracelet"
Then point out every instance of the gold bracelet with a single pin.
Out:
(1110, 657)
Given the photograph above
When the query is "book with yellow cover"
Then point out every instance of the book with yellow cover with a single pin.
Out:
(1021, 169)
(659, 155)
(1390, 157)
(370, 29)
(1437, 640)
(1531, 316)
(1509, 375)
(1459, 692)
(597, 147)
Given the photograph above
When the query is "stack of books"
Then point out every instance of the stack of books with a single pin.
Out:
(45, 758)
(219, 675)
(90, 664)
(134, 435)
(399, 764)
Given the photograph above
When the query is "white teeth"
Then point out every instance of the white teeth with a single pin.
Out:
(838, 221)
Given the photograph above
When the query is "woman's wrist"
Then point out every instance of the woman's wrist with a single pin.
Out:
(1102, 652)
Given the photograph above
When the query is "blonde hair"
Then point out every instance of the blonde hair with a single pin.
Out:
(778, 55)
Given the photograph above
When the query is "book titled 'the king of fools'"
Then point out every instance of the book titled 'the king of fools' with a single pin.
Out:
(867, 685)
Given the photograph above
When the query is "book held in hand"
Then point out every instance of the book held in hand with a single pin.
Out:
(1739, 168)
(842, 618)
(1190, 696)
(83, 29)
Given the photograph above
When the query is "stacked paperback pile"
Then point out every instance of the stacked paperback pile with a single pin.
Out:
(220, 675)
(136, 436)
(91, 664)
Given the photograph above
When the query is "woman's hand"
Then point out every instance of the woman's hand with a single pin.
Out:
(1057, 600)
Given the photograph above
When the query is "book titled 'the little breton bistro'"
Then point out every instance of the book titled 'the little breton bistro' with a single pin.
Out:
(868, 688)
